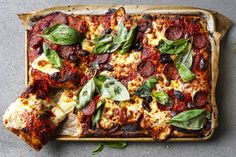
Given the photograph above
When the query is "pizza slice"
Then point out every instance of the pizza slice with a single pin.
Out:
(34, 116)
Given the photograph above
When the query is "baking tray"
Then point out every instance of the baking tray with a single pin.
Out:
(216, 33)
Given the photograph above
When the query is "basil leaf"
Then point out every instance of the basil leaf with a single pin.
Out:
(121, 33)
(102, 44)
(62, 34)
(52, 56)
(109, 87)
(102, 40)
(86, 94)
(98, 114)
(150, 83)
(98, 149)
(173, 47)
(102, 48)
(184, 72)
(191, 119)
(129, 40)
(179, 42)
(117, 145)
(162, 98)
(185, 58)
(146, 88)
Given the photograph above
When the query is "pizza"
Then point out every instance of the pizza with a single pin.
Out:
(115, 75)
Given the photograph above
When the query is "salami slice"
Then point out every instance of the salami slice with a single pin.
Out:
(174, 32)
(48, 21)
(200, 98)
(146, 68)
(171, 71)
(90, 108)
(199, 41)
(54, 18)
(102, 58)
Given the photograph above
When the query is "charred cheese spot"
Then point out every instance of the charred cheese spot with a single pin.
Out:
(111, 115)
(124, 64)
(44, 65)
(133, 109)
(153, 37)
(134, 84)
(157, 122)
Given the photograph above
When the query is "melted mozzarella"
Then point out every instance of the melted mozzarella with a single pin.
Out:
(155, 36)
(16, 114)
(67, 100)
(44, 65)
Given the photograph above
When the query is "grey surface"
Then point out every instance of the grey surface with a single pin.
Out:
(12, 70)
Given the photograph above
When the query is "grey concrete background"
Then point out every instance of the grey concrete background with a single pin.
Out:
(12, 70)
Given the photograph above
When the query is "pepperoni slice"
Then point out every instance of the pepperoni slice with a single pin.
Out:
(102, 58)
(171, 71)
(40, 26)
(174, 32)
(48, 21)
(146, 68)
(78, 24)
(199, 41)
(179, 106)
(90, 108)
(66, 51)
(200, 98)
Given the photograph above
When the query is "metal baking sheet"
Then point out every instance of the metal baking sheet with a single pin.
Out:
(29, 18)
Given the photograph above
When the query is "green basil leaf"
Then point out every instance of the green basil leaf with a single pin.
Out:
(102, 48)
(86, 94)
(190, 120)
(117, 145)
(173, 47)
(102, 44)
(102, 40)
(98, 113)
(146, 88)
(185, 73)
(121, 33)
(163, 46)
(98, 149)
(109, 87)
(62, 34)
(179, 42)
(161, 97)
(185, 58)
(150, 83)
(129, 40)
(52, 56)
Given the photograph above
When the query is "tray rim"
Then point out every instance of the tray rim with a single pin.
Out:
(214, 40)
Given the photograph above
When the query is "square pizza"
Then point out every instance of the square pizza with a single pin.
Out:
(117, 75)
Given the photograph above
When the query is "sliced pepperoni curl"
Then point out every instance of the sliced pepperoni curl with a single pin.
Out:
(146, 68)
(174, 32)
(171, 71)
(179, 106)
(102, 58)
(200, 98)
(48, 21)
(90, 108)
(199, 41)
